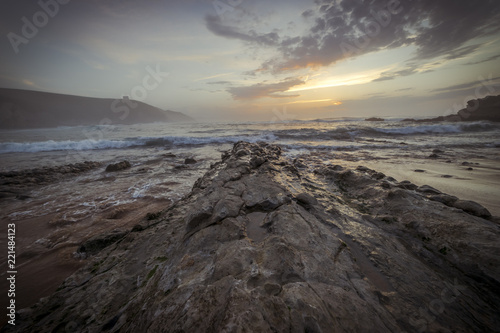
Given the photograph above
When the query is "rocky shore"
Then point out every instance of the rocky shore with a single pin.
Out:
(16, 183)
(487, 108)
(266, 244)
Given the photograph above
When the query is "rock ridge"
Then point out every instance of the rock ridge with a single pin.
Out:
(266, 244)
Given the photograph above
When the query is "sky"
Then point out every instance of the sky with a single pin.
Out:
(229, 60)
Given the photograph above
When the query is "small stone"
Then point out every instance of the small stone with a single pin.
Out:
(419, 170)
(306, 198)
(428, 189)
(190, 161)
(472, 207)
(118, 166)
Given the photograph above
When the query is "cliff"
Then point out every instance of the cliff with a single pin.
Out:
(32, 109)
(265, 244)
(487, 108)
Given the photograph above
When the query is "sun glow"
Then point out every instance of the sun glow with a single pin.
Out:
(345, 80)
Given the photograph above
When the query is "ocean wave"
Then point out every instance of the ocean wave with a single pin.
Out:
(51, 145)
(446, 128)
(347, 132)
(352, 132)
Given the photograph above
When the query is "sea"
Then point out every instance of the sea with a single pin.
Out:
(157, 153)
(54, 218)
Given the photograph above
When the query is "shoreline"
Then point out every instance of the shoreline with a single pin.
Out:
(46, 248)
(264, 232)
(482, 184)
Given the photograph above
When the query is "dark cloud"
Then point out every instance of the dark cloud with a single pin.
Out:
(215, 25)
(220, 82)
(493, 83)
(260, 90)
(409, 70)
(495, 57)
(349, 28)
(462, 52)
(383, 78)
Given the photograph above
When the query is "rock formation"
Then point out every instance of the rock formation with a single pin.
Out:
(487, 108)
(263, 244)
(15, 183)
(118, 166)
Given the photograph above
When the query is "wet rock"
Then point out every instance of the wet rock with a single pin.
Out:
(433, 156)
(472, 207)
(22, 197)
(362, 168)
(237, 253)
(45, 175)
(257, 161)
(306, 199)
(190, 161)
(446, 199)
(97, 243)
(419, 170)
(470, 169)
(428, 189)
(118, 166)
(406, 184)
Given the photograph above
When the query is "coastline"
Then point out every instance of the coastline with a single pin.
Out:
(357, 234)
(49, 249)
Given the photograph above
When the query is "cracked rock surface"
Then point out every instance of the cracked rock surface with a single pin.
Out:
(263, 244)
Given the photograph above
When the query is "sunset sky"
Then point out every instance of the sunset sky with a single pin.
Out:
(258, 60)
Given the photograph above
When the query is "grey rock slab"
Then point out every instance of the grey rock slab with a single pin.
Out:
(273, 248)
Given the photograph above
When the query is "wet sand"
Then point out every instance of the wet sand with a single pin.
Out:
(481, 184)
(45, 252)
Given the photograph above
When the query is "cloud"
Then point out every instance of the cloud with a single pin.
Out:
(390, 75)
(492, 81)
(215, 25)
(220, 82)
(462, 52)
(260, 90)
(495, 57)
(213, 76)
(343, 29)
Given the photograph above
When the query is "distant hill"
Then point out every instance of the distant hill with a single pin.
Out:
(33, 109)
(487, 108)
